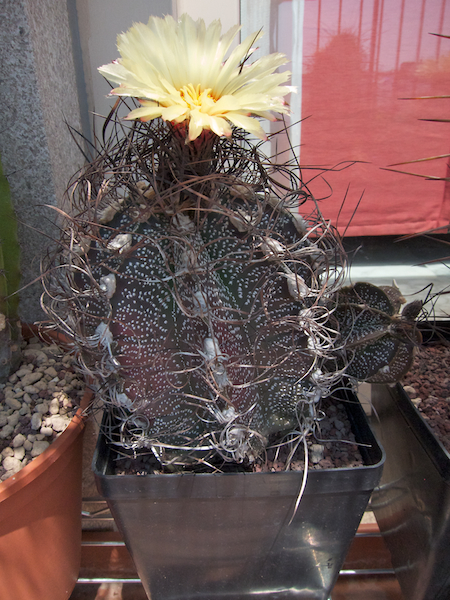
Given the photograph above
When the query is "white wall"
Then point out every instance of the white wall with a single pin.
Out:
(209, 10)
(100, 21)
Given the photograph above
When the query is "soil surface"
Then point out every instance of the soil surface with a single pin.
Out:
(428, 385)
(332, 446)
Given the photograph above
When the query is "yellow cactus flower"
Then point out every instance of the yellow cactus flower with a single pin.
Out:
(179, 72)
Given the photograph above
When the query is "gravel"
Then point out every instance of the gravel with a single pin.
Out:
(36, 404)
(428, 386)
(333, 446)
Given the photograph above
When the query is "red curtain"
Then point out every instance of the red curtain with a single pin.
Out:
(361, 60)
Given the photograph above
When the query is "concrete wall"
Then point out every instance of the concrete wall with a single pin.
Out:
(49, 54)
(38, 92)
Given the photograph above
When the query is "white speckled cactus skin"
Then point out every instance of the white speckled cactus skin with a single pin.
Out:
(205, 308)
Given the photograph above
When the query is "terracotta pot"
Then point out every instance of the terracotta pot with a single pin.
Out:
(40, 521)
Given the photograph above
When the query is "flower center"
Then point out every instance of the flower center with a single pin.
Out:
(193, 96)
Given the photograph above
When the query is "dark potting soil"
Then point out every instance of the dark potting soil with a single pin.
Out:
(428, 386)
(332, 446)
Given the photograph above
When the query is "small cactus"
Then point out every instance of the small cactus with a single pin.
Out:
(10, 334)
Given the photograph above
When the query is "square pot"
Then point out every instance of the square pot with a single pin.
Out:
(224, 536)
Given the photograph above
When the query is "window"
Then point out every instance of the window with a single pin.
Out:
(354, 63)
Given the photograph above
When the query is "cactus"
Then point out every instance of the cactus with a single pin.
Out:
(203, 292)
(10, 335)
(209, 313)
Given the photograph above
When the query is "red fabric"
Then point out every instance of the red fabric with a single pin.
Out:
(353, 83)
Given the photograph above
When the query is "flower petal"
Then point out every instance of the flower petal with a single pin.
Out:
(172, 113)
(196, 125)
(145, 112)
(249, 124)
(179, 71)
(224, 105)
(220, 126)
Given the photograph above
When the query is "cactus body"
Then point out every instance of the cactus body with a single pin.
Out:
(209, 313)
(203, 326)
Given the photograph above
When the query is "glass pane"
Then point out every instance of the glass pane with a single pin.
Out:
(362, 61)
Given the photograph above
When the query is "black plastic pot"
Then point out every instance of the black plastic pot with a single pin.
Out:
(225, 536)
(412, 503)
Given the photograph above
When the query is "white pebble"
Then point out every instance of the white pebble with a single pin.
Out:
(30, 389)
(54, 406)
(39, 447)
(22, 372)
(7, 452)
(46, 431)
(13, 403)
(317, 453)
(53, 349)
(6, 431)
(42, 407)
(37, 355)
(59, 423)
(14, 419)
(41, 385)
(31, 378)
(36, 420)
(11, 464)
(19, 453)
(27, 445)
(51, 372)
(18, 440)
